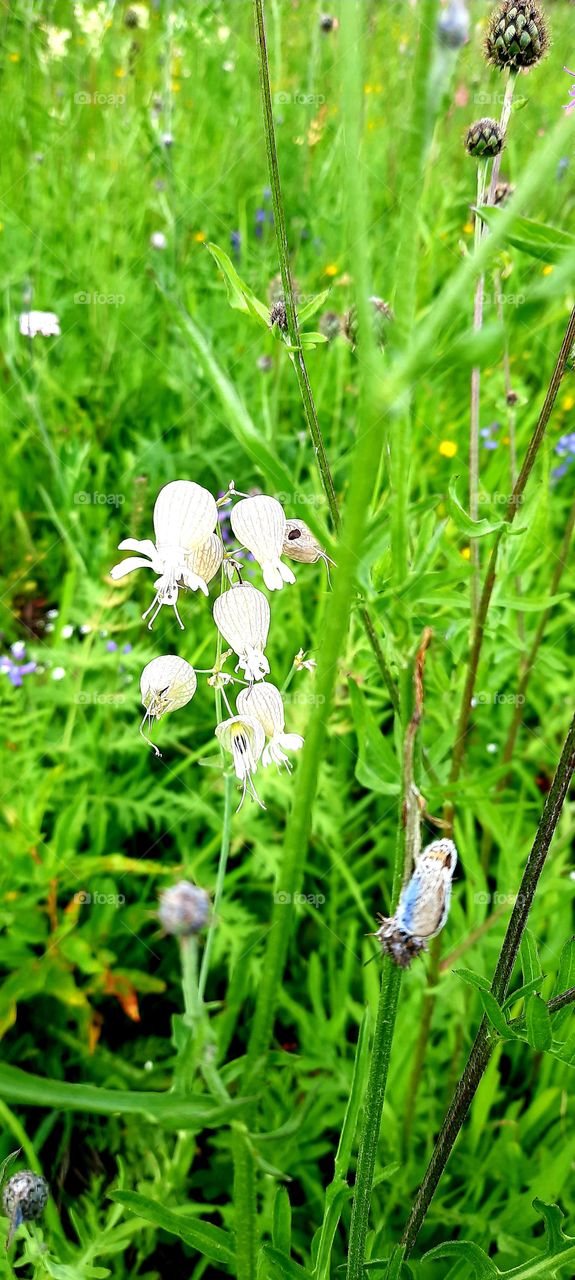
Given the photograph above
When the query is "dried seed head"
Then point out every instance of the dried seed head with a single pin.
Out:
(24, 1199)
(278, 315)
(503, 192)
(517, 35)
(484, 138)
(382, 318)
(330, 325)
(184, 909)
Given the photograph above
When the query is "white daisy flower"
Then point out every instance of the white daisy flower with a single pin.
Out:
(185, 516)
(45, 323)
(260, 525)
(242, 616)
(166, 684)
(245, 739)
(264, 702)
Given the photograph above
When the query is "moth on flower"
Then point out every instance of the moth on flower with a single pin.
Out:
(242, 616)
(185, 516)
(244, 737)
(166, 684)
(259, 523)
(263, 702)
(300, 544)
(423, 905)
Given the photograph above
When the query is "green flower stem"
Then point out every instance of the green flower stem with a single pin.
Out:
(189, 958)
(484, 1040)
(374, 1100)
(413, 154)
(503, 122)
(364, 462)
(220, 879)
(475, 395)
(296, 353)
(244, 1201)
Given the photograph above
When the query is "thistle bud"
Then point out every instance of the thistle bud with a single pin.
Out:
(382, 318)
(278, 315)
(517, 35)
(503, 192)
(24, 1199)
(484, 139)
(184, 909)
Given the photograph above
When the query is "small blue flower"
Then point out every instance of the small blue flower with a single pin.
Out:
(16, 670)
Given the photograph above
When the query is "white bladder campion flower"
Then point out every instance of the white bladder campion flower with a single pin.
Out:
(264, 702)
(259, 523)
(165, 684)
(244, 737)
(205, 559)
(45, 323)
(185, 516)
(242, 616)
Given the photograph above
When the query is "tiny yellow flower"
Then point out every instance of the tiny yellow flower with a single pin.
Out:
(566, 403)
(468, 228)
(119, 73)
(505, 440)
(14, 57)
(547, 270)
(199, 236)
(465, 552)
(331, 270)
(175, 87)
(448, 448)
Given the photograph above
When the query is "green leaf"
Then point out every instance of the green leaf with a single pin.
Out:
(172, 1111)
(281, 1221)
(474, 979)
(463, 522)
(537, 239)
(478, 1265)
(376, 766)
(212, 1242)
(496, 1015)
(538, 1021)
(313, 306)
(278, 1266)
(530, 963)
(240, 296)
(526, 990)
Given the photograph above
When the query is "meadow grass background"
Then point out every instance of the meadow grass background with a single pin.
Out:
(94, 423)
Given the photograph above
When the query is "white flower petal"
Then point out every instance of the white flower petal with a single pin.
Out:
(144, 545)
(184, 515)
(244, 738)
(242, 616)
(264, 702)
(166, 684)
(127, 566)
(205, 559)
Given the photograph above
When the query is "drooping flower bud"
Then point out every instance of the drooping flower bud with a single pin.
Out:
(517, 35)
(24, 1199)
(300, 544)
(259, 523)
(263, 702)
(244, 737)
(382, 318)
(484, 138)
(166, 684)
(242, 616)
(184, 909)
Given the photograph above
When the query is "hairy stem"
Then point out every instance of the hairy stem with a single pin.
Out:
(484, 1041)
(475, 397)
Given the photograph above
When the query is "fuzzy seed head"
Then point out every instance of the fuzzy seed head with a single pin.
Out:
(517, 35)
(484, 139)
(184, 909)
(278, 315)
(24, 1197)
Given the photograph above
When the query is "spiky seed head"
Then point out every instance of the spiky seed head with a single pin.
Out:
(184, 909)
(278, 316)
(517, 35)
(382, 318)
(484, 139)
(24, 1199)
(330, 325)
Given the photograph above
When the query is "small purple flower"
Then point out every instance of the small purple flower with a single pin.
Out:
(127, 648)
(236, 241)
(111, 646)
(565, 448)
(16, 670)
(487, 432)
